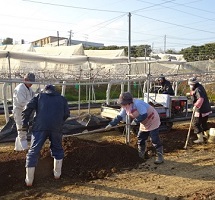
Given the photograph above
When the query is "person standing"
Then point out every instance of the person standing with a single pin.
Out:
(201, 109)
(21, 96)
(51, 110)
(146, 117)
(166, 87)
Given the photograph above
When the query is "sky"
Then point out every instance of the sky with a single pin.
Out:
(162, 24)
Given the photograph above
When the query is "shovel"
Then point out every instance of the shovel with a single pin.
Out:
(94, 131)
(188, 134)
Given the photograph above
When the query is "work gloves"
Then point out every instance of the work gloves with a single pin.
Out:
(134, 123)
(194, 108)
(108, 127)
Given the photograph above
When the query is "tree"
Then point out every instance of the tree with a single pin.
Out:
(7, 41)
(171, 51)
(136, 51)
(196, 53)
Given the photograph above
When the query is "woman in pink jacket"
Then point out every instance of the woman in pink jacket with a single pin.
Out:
(144, 115)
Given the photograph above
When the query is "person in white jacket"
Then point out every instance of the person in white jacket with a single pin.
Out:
(21, 96)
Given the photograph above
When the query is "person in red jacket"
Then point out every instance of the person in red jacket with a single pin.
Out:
(201, 109)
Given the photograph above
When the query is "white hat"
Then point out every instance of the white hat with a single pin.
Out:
(192, 81)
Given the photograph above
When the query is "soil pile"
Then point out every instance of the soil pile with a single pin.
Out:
(84, 160)
(98, 157)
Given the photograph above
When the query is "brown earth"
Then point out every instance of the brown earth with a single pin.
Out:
(102, 167)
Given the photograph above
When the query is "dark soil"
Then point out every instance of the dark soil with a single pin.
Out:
(84, 160)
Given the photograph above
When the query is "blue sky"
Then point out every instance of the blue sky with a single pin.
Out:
(163, 24)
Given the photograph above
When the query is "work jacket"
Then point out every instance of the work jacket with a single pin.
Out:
(51, 112)
(199, 92)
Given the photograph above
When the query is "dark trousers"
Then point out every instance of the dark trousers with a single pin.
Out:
(200, 124)
(154, 136)
(37, 141)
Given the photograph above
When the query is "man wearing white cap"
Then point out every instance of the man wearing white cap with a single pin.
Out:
(21, 96)
(201, 109)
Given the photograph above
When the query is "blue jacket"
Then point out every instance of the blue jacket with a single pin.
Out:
(51, 112)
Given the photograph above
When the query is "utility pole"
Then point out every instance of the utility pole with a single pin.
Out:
(128, 120)
(164, 43)
(85, 38)
(70, 36)
(145, 53)
(57, 38)
(129, 50)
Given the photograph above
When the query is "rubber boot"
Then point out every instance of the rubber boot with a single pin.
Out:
(206, 134)
(24, 144)
(29, 176)
(159, 158)
(57, 168)
(200, 139)
(18, 146)
(142, 152)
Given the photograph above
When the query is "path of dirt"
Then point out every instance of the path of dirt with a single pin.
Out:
(101, 167)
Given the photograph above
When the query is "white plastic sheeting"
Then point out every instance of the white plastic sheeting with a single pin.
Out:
(66, 51)
(75, 63)
(18, 47)
(105, 53)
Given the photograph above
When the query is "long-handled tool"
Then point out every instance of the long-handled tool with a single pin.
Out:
(94, 131)
(188, 134)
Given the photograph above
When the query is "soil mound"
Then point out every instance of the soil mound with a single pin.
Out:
(84, 160)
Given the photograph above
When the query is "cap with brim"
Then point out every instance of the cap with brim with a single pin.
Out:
(125, 98)
(30, 77)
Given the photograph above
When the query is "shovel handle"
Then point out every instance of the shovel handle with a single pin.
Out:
(188, 134)
(95, 131)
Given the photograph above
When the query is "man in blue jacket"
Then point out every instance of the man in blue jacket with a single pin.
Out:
(51, 111)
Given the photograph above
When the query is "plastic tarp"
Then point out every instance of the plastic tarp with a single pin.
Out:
(61, 62)
(66, 51)
(18, 47)
(3, 54)
(105, 53)
(34, 57)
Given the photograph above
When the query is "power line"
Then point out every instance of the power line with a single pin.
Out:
(180, 4)
(153, 5)
(175, 24)
(106, 22)
(76, 7)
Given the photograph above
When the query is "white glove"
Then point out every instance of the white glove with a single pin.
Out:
(194, 108)
(108, 127)
(133, 123)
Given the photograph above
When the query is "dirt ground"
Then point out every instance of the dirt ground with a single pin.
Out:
(102, 167)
